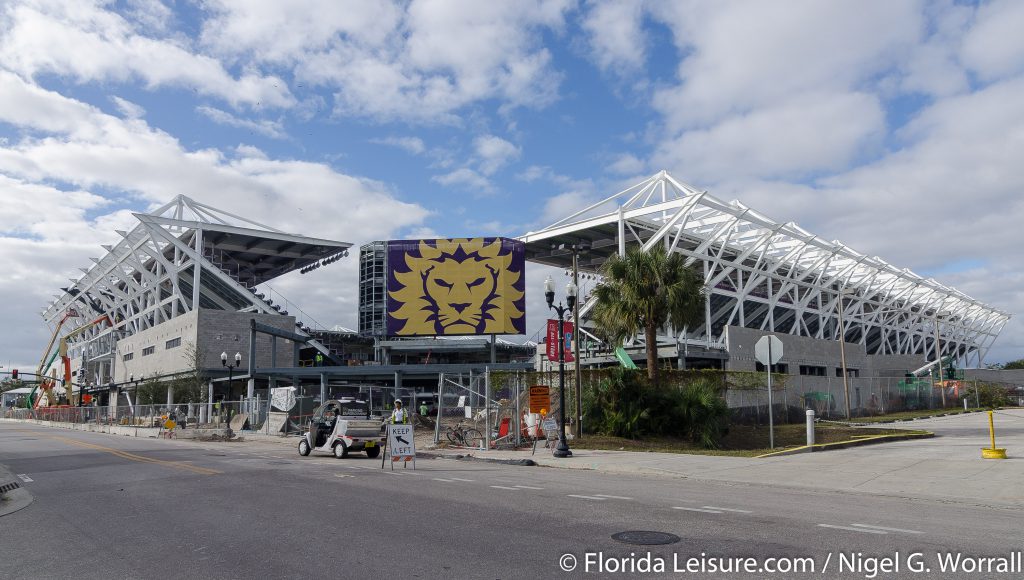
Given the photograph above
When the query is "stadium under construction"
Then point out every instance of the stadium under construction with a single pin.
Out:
(190, 282)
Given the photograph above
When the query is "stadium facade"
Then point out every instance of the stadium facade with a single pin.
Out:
(763, 276)
(188, 278)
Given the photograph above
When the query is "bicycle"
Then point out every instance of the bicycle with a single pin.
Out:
(459, 435)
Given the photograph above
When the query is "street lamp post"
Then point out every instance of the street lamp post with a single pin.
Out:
(231, 368)
(135, 383)
(562, 448)
(578, 248)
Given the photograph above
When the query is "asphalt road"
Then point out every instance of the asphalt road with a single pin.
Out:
(111, 507)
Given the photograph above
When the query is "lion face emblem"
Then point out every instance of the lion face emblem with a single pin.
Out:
(454, 287)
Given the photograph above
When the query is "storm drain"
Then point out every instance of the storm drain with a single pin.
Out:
(9, 487)
(641, 538)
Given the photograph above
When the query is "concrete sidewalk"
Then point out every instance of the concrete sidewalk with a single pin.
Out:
(947, 467)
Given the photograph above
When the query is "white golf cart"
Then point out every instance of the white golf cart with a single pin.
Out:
(343, 425)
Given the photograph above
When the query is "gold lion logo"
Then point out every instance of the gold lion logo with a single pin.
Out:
(458, 286)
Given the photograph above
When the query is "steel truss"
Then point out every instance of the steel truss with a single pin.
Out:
(776, 277)
(182, 256)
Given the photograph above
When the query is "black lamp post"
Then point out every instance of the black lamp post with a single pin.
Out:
(562, 448)
(135, 383)
(231, 368)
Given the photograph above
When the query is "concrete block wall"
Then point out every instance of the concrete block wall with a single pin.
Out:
(799, 350)
(228, 332)
(214, 331)
(163, 360)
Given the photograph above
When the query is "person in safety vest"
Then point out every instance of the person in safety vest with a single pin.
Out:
(399, 415)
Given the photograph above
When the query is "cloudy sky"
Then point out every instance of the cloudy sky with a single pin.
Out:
(896, 127)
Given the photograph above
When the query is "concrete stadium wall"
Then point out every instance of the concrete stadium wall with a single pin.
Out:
(214, 331)
(1012, 377)
(799, 350)
(228, 332)
(163, 360)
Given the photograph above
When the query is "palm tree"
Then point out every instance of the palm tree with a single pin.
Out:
(645, 290)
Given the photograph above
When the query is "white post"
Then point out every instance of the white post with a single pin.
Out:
(170, 396)
(209, 402)
(810, 429)
(487, 408)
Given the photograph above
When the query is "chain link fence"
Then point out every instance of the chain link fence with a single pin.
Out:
(248, 415)
(746, 393)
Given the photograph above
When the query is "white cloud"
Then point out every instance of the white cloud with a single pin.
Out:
(46, 37)
(466, 178)
(806, 134)
(994, 47)
(413, 145)
(614, 34)
(127, 108)
(933, 67)
(494, 152)
(267, 128)
(626, 164)
(743, 55)
(420, 62)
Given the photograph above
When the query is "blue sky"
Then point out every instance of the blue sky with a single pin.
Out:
(894, 127)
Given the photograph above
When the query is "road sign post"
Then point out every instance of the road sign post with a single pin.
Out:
(768, 351)
(402, 445)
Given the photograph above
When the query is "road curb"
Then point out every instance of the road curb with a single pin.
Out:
(869, 440)
(15, 499)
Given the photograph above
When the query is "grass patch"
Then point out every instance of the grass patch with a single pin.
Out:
(742, 440)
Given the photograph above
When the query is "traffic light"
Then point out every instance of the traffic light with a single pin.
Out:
(14, 374)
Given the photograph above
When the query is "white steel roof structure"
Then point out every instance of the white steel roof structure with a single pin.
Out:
(773, 276)
(182, 256)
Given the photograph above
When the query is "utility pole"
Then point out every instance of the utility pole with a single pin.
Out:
(576, 346)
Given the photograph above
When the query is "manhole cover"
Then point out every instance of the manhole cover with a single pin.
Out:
(641, 538)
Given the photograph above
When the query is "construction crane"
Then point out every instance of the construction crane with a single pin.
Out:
(44, 364)
(62, 351)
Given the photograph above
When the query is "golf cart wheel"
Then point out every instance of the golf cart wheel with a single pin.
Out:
(304, 447)
(373, 452)
(340, 450)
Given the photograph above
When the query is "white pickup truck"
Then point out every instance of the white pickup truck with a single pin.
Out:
(343, 425)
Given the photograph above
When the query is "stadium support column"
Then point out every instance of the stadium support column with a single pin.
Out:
(707, 306)
(251, 363)
(196, 267)
(323, 387)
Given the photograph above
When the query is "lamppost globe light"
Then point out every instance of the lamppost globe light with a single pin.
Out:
(238, 358)
(570, 289)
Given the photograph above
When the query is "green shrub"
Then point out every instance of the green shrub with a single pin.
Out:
(988, 395)
(625, 405)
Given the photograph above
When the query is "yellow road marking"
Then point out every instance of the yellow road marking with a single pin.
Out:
(140, 458)
(124, 454)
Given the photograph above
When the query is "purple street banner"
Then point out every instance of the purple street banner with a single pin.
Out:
(460, 286)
